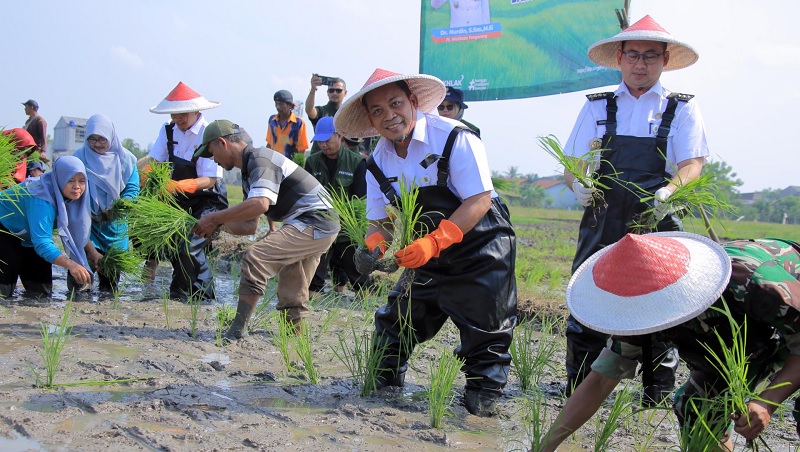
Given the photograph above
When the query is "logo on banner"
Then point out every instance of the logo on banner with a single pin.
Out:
(479, 84)
(454, 83)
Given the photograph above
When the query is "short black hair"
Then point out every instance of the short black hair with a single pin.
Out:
(400, 84)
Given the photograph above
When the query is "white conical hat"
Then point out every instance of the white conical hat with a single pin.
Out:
(183, 99)
(351, 120)
(648, 283)
(681, 54)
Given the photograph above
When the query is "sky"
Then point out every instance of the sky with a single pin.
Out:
(120, 58)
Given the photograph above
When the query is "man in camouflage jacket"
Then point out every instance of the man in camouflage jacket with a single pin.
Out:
(764, 293)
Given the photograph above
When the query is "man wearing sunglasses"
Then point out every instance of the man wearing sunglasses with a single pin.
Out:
(453, 107)
(644, 141)
(336, 92)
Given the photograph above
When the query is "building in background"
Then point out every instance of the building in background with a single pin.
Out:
(68, 135)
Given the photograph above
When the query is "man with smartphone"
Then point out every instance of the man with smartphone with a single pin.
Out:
(337, 89)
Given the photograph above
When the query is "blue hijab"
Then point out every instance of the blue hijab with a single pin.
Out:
(108, 173)
(73, 218)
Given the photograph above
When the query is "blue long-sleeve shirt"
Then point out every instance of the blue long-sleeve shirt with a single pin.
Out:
(115, 233)
(31, 219)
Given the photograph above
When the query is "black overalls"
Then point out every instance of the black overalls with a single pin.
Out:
(191, 274)
(471, 282)
(633, 160)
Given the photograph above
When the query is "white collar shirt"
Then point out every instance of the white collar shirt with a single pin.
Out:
(469, 167)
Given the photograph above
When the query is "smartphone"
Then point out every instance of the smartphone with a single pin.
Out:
(328, 81)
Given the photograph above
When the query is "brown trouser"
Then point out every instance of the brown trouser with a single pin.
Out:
(293, 256)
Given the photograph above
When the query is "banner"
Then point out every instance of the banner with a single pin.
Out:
(508, 49)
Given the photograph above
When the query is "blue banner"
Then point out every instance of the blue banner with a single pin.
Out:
(508, 49)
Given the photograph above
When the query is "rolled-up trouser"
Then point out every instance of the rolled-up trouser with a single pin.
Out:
(340, 260)
(585, 344)
(291, 254)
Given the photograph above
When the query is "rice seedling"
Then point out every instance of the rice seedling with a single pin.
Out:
(407, 216)
(535, 420)
(301, 339)
(283, 338)
(702, 194)
(352, 212)
(732, 364)
(165, 307)
(705, 432)
(223, 316)
(529, 363)
(54, 339)
(644, 424)
(9, 159)
(194, 302)
(583, 168)
(157, 179)
(158, 227)
(116, 262)
(440, 394)
(604, 429)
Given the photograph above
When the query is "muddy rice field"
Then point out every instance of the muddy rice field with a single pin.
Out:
(187, 391)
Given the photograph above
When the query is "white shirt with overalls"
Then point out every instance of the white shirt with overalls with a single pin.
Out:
(641, 118)
(188, 142)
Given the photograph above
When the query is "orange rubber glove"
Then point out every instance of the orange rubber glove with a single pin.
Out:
(144, 173)
(376, 240)
(420, 251)
(182, 186)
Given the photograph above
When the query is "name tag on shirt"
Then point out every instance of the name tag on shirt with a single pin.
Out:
(654, 128)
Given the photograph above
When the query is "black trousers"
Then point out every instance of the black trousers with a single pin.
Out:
(339, 259)
(22, 262)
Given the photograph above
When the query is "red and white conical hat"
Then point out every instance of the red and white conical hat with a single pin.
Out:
(648, 283)
(183, 99)
(352, 121)
(681, 54)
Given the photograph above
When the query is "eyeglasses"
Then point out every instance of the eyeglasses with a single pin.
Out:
(97, 140)
(335, 90)
(648, 57)
(448, 107)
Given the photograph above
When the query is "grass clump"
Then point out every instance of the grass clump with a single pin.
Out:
(441, 394)
(223, 316)
(301, 339)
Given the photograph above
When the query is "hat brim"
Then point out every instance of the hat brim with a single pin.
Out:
(681, 55)
(709, 271)
(184, 106)
(322, 137)
(352, 121)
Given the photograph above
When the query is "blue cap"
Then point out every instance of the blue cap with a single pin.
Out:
(455, 96)
(324, 129)
(36, 165)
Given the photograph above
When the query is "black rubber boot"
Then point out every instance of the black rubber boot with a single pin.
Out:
(6, 290)
(37, 290)
(244, 310)
(481, 403)
(384, 379)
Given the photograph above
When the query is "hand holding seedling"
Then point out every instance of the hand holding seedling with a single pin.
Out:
(206, 225)
(584, 194)
(420, 251)
(752, 423)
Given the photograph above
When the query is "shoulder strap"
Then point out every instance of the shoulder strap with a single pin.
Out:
(443, 165)
(668, 116)
(383, 182)
(170, 142)
(597, 96)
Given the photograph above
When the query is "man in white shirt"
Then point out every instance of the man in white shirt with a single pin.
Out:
(196, 182)
(651, 141)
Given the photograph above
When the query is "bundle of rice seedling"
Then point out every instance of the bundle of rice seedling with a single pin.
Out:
(582, 168)
(119, 209)
(407, 214)
(157, 227)
(352, 212)
(701, 195)
(157, 178)
(117, 261)
(9, 158)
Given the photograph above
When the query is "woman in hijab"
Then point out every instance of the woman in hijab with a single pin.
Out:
(28, 214)
(112, 174)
